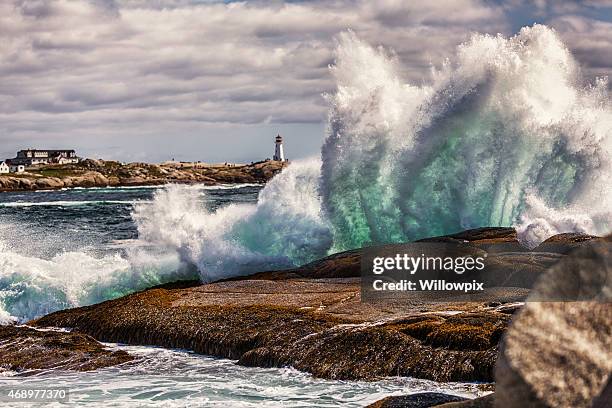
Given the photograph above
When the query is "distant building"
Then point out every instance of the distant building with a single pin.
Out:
(4, 168)
(279, 155)
(31, 157)
(66, 160)
(17, 168)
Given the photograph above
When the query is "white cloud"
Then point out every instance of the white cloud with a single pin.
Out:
(589, 40)
(70, 66)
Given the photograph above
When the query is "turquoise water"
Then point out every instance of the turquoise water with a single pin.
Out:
(74, 247)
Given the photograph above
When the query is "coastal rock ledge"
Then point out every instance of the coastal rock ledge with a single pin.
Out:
(319, 326)
(312, 318)
(24, 349)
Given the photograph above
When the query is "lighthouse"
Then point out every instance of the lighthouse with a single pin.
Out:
(278, 149)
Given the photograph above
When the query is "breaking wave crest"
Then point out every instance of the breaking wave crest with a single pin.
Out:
(504, 121)
(285, 228)
(178, 238)
(31, 286)
(505, 134)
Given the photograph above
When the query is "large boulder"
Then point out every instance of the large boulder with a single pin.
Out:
(558, 350)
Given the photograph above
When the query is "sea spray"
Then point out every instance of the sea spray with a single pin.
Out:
(178, 238)
(540, 221)
(284, 229)
(504, 119)
(31, 286)
(504, 134)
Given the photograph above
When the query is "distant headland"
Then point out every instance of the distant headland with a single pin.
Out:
(40, 169)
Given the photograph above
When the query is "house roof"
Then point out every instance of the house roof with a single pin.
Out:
(48, 150)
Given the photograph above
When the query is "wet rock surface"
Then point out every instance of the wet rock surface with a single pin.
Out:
(481, 236)
(566, 242)
(23, 349)
(488, 401)
(434, 399)
(316, 326)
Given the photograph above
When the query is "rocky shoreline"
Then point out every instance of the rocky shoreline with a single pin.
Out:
(312, 318)
(100, 173)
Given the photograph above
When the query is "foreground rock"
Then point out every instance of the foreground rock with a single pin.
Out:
(100, 173)
(24, 349)
(559, 354)
(318, 326)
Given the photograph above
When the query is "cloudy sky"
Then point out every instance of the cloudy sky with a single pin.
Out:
(152, 80)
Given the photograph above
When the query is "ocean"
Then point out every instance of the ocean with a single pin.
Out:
(60, 247)
(79, 246)
(50, 222)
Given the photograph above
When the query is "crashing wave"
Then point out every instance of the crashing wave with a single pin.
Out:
(505, 134)
(285, 228)
(505, 119)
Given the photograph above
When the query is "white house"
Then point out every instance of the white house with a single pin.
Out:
(31, 157)
(17, 168)
(66, 160)
(4, 168)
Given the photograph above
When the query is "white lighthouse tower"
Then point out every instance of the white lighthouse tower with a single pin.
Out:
(279, 155)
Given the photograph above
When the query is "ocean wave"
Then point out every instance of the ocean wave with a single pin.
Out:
(31, 286)
(285, 228)
(504, 135)
(504, 119)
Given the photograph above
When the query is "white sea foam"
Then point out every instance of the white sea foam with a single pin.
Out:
(285, 228)
(31, 286)
(539, 221)
(176, 378)
(6, 318)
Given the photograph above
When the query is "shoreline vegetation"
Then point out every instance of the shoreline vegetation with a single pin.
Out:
(312, 318)
(101, 173)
